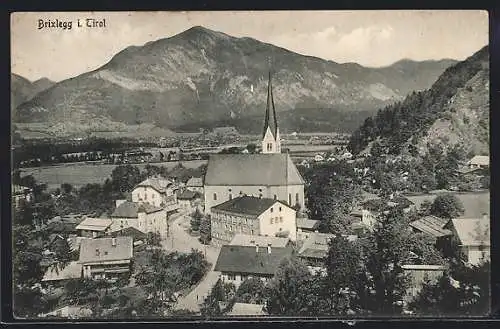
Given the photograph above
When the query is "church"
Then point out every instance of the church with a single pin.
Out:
(271, 174)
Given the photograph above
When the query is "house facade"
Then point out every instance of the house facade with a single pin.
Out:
(156, 191)
(471, 236)
(141, 216)
(106, 258)
(252, 216)
(237, 263)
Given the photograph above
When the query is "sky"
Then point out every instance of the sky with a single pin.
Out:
(369, 38)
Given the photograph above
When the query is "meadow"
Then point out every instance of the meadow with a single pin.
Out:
(80, 174)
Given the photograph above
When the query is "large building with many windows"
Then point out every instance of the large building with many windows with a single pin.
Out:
(252, 216)
(270, 174)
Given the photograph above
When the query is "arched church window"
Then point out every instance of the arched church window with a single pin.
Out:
(215, 196)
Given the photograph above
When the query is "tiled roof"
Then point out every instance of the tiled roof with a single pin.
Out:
(186, 195)
(473, 231)
(238, 259)
(130, 231)
(102, 250)
(246, 309)
(130, 209)
(482, 160)
(247, 205)
(73, 270)
(157, 183)
(263, 241)
(195, 182)
(94, 224)
(317, 244)
(431, 225)
(252, 169)
(306, 223)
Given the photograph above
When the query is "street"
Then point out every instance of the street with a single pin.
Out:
(180, 240)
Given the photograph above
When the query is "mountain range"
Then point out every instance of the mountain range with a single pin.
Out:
(454, 112)
(203, 78)
(22, 90)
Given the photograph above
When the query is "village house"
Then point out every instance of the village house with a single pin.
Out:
(156, 191)
(319, 158)
(253, 216)
(246, 240)
(237, 263)
(94, 227)
(315, 248)
(21, 193)
(60, 273)
(479, 161)
(432, 226)
(305, 227)
(472, 237)
(271, 174)
(186, 200)
(106, 258)
(195, 184)
(141, 216)
(364, 217)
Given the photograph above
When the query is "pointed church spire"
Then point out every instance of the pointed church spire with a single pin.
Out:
(268, 105)
(270, 135)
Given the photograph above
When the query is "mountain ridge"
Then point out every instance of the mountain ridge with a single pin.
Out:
(201, 75)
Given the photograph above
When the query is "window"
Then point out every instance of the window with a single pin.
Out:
(251, 232)
(97, 252)
(275, 197)
(231, 277)
(280, 208)
(281, 219)
(271, 209)
(260, 195)
(145, 196)
(296, 198)
(269, 146)
(271, 220)
(105, 253)
(152, 196)
(289, 198)
(230, 196)
(215, 196)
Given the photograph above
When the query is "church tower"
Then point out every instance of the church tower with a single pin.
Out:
(271, 142)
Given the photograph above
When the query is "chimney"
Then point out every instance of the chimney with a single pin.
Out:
(256, 247)
(268, 248)
(113, 242)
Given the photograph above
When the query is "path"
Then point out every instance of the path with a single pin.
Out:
(180, 240)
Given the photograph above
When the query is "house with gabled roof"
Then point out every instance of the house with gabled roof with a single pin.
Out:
(195, 184)
(141, 216)
(237, 263)
(306, 226)
(432, 226)
(106, 258)
(271, 174)
(253, 216)
(472, 238)
(94, 227)
(479, 161)
(156, 191)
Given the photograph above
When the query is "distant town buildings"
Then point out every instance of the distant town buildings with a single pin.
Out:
(142, 216)
(157, 191)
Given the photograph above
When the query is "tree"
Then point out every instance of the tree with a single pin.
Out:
(387, 250)
(221, 292)
(251, 148)
(196, 219)
(153, 239)
(62, 251)
(253, 291)
(293, 290)
(125, 177)
(26, 257)
(206, 231)
(346, 282)
(28, 302)
(447, 206)
(66, 188)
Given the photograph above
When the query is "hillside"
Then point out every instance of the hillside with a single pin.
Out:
(454, 112)
(201, 76)
(23, 90)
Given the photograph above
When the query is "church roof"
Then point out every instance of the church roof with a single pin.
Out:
(275, 169)
(269, 105)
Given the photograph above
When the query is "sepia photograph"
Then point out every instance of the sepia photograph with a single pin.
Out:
(207, 165)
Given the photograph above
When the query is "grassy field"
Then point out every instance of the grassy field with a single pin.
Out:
(79, 174)
(475, 203)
